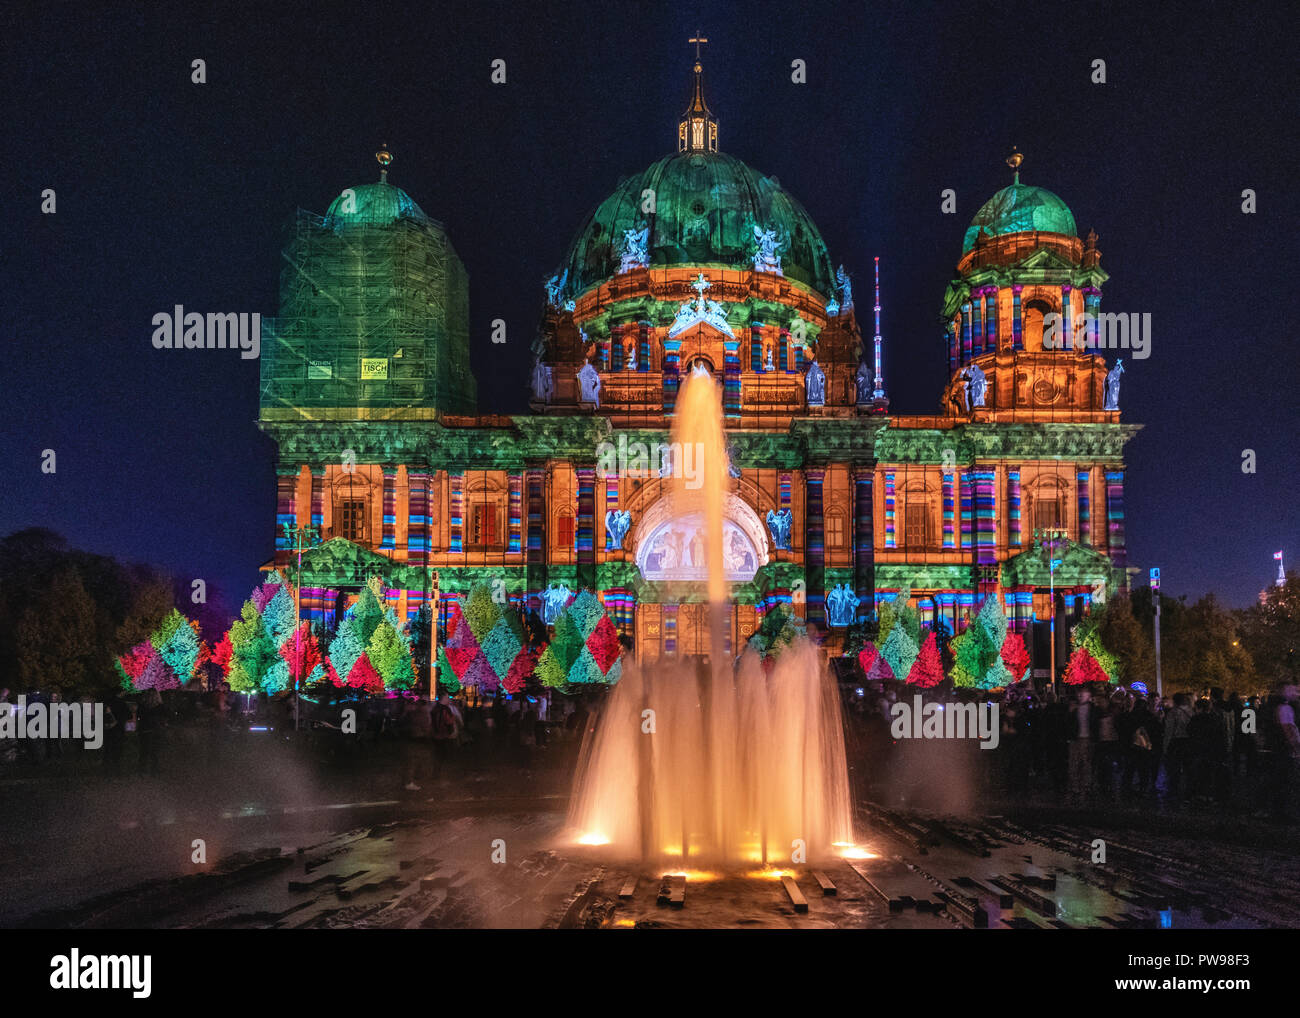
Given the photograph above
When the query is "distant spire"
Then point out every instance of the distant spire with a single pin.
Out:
(879, 392)
(1014, 160)
(383, 157)
(697, 131)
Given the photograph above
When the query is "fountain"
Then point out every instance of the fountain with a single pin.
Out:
(701, 763)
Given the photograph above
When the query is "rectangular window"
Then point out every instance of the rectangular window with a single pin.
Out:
(916, 526)
(483, 532)
(564, 532)
(1047, 514)
(834, 531)
(351, 515)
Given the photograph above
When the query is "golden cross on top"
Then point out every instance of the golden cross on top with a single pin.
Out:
(697, 39)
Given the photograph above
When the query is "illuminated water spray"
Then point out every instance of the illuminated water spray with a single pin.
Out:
(693, 764)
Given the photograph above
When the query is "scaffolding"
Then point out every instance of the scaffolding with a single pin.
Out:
(374, 320)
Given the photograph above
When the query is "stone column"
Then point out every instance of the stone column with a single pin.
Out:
(535, 543)
(864, 554)
(814, 544)
(1067, 316)
(1014, 539)
(586, 526)
(514, 518)
(390, 508)
(990, 319)
(1115, 523)
(1085, 521)
(286, 509)
(1017, 320)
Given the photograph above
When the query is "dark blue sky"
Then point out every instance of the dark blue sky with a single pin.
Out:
(170, 192)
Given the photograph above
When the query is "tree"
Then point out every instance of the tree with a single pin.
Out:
(253, 653)
(184, 652)
(387, 653)
(927, 669)
(367, 614)
(347, 645)
(56, 636)
(977, 661)
(1270, 632)
(1015, 656)
(280, 617)
(364, 676)
(1083, 668)
(899, 650)
(301, 653)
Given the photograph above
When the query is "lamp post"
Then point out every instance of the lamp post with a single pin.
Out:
(1155, 601)
(434, 595)
(300, 537)
(1051, 539)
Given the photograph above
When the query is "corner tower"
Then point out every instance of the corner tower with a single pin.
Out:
(1023, 282)
(374, 314)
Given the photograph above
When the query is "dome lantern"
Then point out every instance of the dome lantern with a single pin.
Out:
(698, 129)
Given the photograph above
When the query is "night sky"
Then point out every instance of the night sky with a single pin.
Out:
(175, 193)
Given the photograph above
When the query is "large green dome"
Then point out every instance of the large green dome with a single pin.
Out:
(706, 206)
(1020, 208)
(375, 204)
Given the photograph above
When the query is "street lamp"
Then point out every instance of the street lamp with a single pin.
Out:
(299, 537)
(1051, 539)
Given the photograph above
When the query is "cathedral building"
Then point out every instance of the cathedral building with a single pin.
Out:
(1013, 486)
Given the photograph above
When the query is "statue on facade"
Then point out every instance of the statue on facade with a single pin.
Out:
(732, 469)
(554, 287)
(636, 244)
(1112, 385)
(978, 385)
(779, 522)
(543, 381)
(766, 257)
(617, 522)
(841, 605)
(845, 287)
(958, 395)
(768, 365)
(816, 385)
(629, 353)
(589, 384)
(554, 598)
(862, 381)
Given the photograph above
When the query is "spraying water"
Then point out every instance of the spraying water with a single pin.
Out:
(709, 763)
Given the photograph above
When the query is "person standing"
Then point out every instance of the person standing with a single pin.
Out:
(417, 732)
(445, 733)
(1081, 740)
(1177, 740)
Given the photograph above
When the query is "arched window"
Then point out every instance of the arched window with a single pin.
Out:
(485, 514)
(1034, 312)
(350, 508)
(564, 533)
(917, 510)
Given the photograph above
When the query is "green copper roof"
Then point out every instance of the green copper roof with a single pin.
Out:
(373, 205)
(1020, 208)
(706, 205)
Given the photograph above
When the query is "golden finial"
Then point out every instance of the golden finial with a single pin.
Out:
(1014, 160)
(383, 157)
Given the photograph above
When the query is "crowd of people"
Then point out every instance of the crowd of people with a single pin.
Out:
(1111, 744)
(420, 736)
